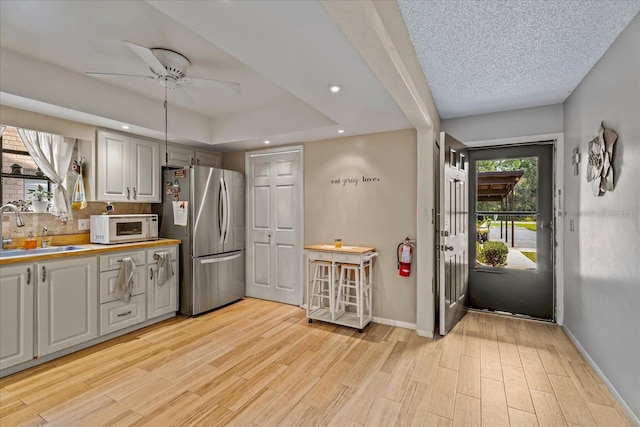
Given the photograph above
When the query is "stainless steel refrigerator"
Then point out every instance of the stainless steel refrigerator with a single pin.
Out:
(212, 254)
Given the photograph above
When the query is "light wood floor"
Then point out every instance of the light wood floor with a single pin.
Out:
(257, 363)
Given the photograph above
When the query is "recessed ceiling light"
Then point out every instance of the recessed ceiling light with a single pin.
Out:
(340, 130)
(267, 141)
(125, 127)
(335, 88)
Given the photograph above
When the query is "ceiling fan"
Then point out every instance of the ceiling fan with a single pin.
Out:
(169, 68)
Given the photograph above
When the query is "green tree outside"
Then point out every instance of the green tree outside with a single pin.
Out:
(526, 195)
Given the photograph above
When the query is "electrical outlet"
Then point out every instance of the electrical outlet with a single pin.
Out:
(84, 224)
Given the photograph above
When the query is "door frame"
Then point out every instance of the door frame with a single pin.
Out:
(521, 292)
(558, 204)
(300, 240)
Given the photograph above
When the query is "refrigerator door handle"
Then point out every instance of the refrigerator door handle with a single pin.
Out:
(228, 211)
(222, 206)
(221, 259)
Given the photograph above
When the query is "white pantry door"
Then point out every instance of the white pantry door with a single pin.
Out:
(274, 224)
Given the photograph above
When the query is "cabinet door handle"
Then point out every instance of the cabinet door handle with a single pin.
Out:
(197, 161)
(124, 314)
(135, 194)
(128, 193)
(151, 273)
(29, 276)
(44, 273)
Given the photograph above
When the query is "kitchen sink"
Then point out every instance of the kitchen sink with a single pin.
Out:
(7, 253)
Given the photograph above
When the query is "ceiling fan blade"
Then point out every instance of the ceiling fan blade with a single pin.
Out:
(132, 76)
(231, 87)
(149, 58)
(181, 96)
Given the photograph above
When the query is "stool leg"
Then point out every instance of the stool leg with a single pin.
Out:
(314, 285)
(339, 304)
(358, 302)
(326, 278)
(332, 290)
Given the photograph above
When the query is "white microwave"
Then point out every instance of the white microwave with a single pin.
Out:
(110, 229)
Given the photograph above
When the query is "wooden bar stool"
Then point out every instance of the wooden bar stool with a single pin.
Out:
(321, 291)
(348, 288)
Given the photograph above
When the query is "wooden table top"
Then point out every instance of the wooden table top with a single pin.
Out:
(344, 249)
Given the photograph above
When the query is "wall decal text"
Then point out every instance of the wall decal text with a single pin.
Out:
(354, 181)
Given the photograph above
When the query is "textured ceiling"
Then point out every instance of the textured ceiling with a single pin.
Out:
(487, 56)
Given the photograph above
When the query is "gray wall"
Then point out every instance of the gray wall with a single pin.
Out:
(506, 124)
(602, 255)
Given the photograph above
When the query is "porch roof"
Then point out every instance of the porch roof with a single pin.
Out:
(496, 186)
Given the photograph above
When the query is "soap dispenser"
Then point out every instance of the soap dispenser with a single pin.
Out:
(30, 242)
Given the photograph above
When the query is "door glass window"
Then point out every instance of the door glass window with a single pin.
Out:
(506, 213)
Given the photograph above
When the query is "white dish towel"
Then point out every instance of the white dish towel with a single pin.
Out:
(165, 269)
(124, 282)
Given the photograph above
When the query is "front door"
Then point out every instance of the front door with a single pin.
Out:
(274, 225)
(453, 230)
(511, 195)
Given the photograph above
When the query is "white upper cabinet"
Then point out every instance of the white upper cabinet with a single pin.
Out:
(128, 169)
(181, 156)
(145, 171)
(204, 158)
(177, 156)
(114, 167)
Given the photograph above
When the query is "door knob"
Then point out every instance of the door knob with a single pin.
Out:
(447, 248)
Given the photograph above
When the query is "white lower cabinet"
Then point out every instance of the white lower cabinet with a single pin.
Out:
(67, 303)
(162, 292)
(16, 314)
(150, 296)
(49, 306)
(116, 315)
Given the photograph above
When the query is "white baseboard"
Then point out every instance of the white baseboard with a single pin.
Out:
(397, 323)
(633, 417)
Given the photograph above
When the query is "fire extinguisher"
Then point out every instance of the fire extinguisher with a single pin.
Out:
(405, 252)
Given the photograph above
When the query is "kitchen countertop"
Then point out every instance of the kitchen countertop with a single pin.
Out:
(88, 249)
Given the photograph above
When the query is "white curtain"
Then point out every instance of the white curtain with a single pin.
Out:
(52, 153)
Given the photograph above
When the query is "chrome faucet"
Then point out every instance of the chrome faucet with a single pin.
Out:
(19, 222)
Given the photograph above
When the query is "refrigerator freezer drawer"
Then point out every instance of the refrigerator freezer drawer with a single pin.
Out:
(217, 280)
(231, 279)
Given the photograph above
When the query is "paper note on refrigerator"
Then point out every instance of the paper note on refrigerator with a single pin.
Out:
(180, 213)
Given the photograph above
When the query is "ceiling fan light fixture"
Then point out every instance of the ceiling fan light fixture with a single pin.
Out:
(169, 82)
(175, 63)
(169, 68)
